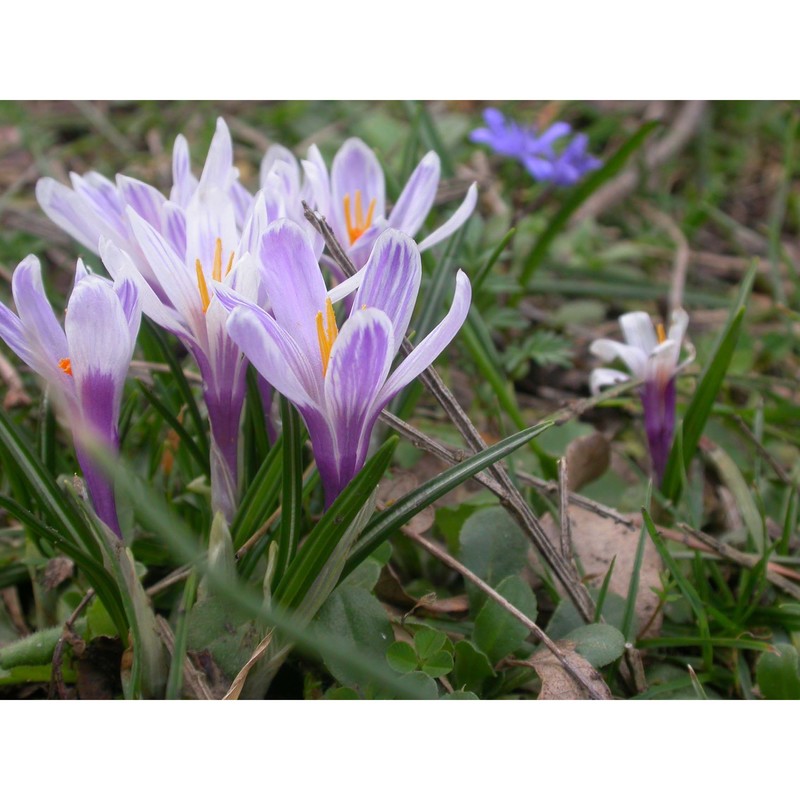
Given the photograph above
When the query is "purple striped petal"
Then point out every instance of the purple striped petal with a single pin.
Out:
(12, 333)
(416, 199)
(173, 227)
(432, 345)
(391, 281)
(183, 182)
(218, 170)
(294, 285)
(145, 200)
(71, 213)
(281, 161)
(461, 215)
(359, 364)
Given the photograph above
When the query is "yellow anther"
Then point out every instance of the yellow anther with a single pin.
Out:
(326, 334)
(356, 227)
(230, 264)
(65, 365)
(216, 269)
(201, 285)
(662, 336)
(364, 307)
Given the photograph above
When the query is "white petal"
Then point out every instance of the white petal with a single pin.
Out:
(638, 330)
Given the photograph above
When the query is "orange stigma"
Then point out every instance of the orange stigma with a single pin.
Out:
(326, 334)
(662, 336)
(65, 365)
(216, 273)
(356, 227)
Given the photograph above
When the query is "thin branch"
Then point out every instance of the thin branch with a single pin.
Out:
(680, 264)
(467, 574)
(67, 634)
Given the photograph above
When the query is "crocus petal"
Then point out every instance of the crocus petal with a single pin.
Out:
(391, 281)
(210, 216)
(462, 214)
(254, 227)
(145, 200)
(608, 350)
(183, 182)
(603, 376)
(346, 287)
(680, 322)
(663, 361)
(359, 363)
(433, 344)
(294, 285)
(218, 171)
(275, 154)
(416, 199)
(356, 169)
(638, 330)
(12, 333)
(43, 332)
(103, 201)
(274, 354)
(173, 227)
(70, 213)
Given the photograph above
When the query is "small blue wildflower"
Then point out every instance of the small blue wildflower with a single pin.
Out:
(535, 151)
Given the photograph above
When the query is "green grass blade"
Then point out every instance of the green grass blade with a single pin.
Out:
(400, 512)
(292, 494)
(587, 187)
(323, 539)
(702, 403)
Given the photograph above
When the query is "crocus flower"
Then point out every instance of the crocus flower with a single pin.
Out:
(357, 204)
(537, 151)
(652, 356)
(205, 246)
(84, 364)
(94, 207)
(338, 379)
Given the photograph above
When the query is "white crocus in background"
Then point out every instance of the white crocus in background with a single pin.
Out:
(652, 355)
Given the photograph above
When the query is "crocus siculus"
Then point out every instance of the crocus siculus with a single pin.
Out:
(339, 379)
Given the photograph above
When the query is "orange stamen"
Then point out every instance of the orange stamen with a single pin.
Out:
(216, 269)
(662, 336)
(201, 285)
(65, 365)
(356, 227)
(230, 264)
(326, 334)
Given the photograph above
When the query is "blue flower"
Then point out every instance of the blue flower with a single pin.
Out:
(536, 152)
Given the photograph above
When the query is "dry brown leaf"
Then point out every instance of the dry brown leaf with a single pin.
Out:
(588, 458)
(399, 484)
(596, 541)
(58, 570)
(238, 682)
(557, 684)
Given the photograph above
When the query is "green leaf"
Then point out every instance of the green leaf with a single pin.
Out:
(292, 494)
(496, 632)
(471, 667)
(702, 403)
(777, 674)
(566, 617)
(385, 524)
(587, 187)
(421, 684)
(428, 642)
(493, 547)
(599, 644)
(438, 664)
(359, 620)
(401, 657)
(460, 696)
(322, 540)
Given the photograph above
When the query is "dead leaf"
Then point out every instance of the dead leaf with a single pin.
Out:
(399, 484)
(558, 684)
(238, 682)
(390, 590)
(588, 458)
(98, 669)
(58, 570)
(596, 541)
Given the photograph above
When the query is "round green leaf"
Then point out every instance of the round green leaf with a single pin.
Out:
(438, 664)
(401, 657)
(599, 644)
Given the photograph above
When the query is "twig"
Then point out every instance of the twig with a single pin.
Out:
(67, 632)
(680, 264)
(506, 491)
(467, 574)
(563, 497)
(682, 130)
(783, 476)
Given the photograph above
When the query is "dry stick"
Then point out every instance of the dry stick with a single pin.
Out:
(682, 130)
(509, 495)
(467, 574)
(783, 476)
(563, 497)
(680, 264)
(58, 652)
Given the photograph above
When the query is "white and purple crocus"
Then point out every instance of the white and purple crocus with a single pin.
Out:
(652, 356)
(356, 205)
(84, 364)
(339, 380)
